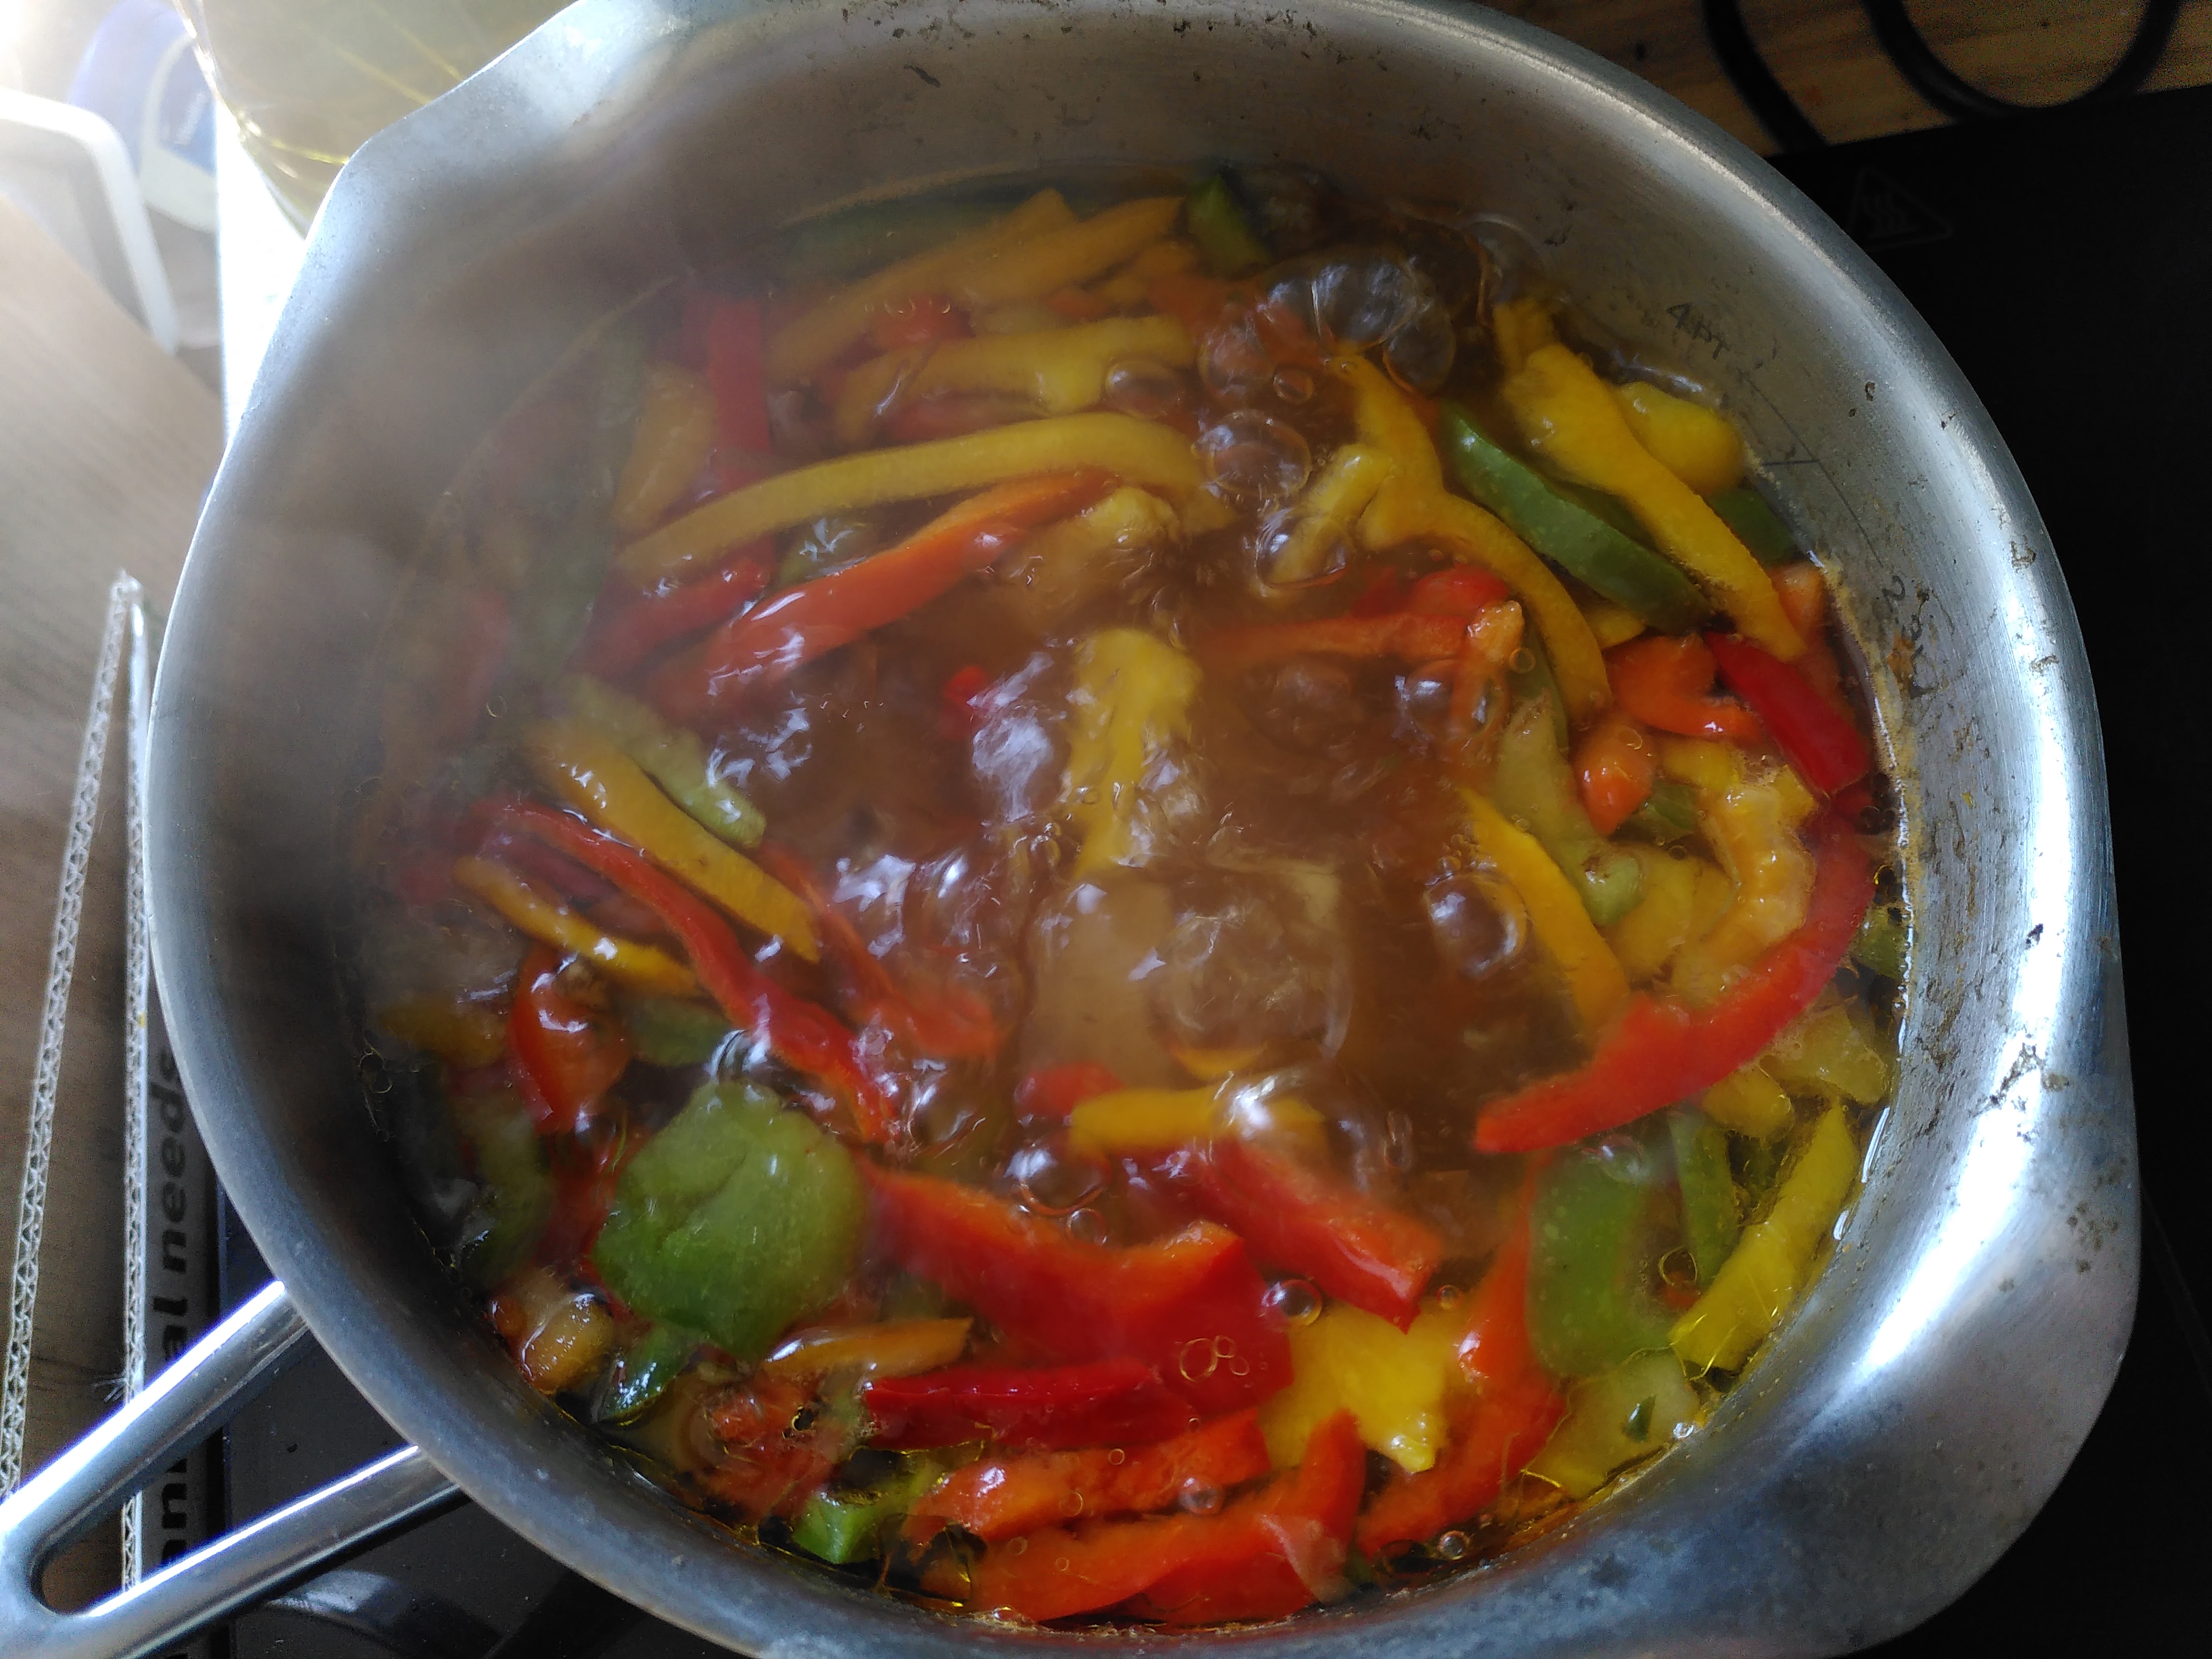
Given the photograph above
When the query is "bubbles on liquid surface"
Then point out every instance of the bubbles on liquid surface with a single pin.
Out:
(1398, 1141)
(1477, 923)
(1293, 384)
(1452, 1546)
(1199, 1497)
(1624, 1157)
(1310, 704)
(1419, 355)
(1234, 363)
(1293, 1301)
(1361, 300)
(1054, 1180)
(1142, 387)
(1196, 1360)
(1090, 1226)
(1295, 550)
(1254, 459)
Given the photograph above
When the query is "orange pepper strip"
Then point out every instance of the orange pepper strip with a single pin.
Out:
(1498, 1436)
(1615, 766)
(1667, 682)
(890, 1347)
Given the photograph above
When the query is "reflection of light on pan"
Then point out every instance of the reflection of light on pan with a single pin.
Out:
(2001, 1144)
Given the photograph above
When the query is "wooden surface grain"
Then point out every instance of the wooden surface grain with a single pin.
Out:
(1824, 52)
(107, 446)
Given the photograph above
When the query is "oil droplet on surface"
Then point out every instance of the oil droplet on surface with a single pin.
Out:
(1200, 1497)
(1197, 1361)
(1293, 1301)
(1089, 1225)
(1521, 660)
(1117, 1456)
(1071, 1503)
(1451, 1545)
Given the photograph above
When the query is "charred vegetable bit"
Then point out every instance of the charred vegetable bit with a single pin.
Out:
(1069, 912)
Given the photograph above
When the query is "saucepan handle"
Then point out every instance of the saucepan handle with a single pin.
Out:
(209, 1383)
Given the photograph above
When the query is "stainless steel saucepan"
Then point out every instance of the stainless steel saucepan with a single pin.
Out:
(1931, 1390)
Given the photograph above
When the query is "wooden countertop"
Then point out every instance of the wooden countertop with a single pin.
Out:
(1824, 52)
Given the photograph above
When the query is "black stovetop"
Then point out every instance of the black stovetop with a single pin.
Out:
(2067, 263)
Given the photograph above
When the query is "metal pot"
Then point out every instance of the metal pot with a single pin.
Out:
(1927, 1397)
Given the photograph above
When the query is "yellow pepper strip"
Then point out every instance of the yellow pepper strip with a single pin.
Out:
(1570, 417)
(1696, 443)
(1517, 328)
(1169, 256)
(1211, 1065)
(1134, 1122)
(1756, 1283)
(1061, 371)
(1414, 505)
(546, 919)
(1030, 269)
(1062, 565)
(1139, 451)
(589, 771)
(1751, 824)
(891, 1347)
(1825, 1052)
(464, 1033)
(1645, 940)
(1612, 625)
(1132, 698)
(1327, 512)
(1639, 1407)
(675, 434)
(1561, 926)
(1392, 1382)
(803, 345)
(1750, 1102)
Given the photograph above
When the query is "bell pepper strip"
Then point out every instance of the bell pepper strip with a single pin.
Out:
(1592, 1248)
(1711, 1221)
(1190, 1306)
(798, 624)
(624, 633)
(772, 1466)
(675, 1031)
(1033, 268)
(1668, 816)
(1137, 1122)
(586, 1171)
(1663, 1052)
(1411, 506)
(951, 1025)
(675, 434)
(1199, 302)
(1818, 738)
(1300, 1219)
(1401, 634)
(590, 772)
(1698, 445)
(557, 1335)
(1283, 1548)
(1567, 533)
(1052, 1092)
(1667, 683)
(736, 1218)
(1265, 1555)
(842, 1525)
(1825, 1052)
(514, 1198)
(1593, 975)
(1532, 784)
(1756, 1283)
(671, 755)
(466, 1035)
(1883, 941)
(643, 1370)
(1751, 823)
(1480, 704)
(1130, 700)
(1615, 766)
(1751, 1103)
(1393, 1382)
(567, 1055)
(1612, 625)
(1633, 1412)
(1327, 512)
(1756, 525)
(737, 375)
(547, 919)
(890, 1347)
(1571, 420)
(1003, 1496)
(804, 1036)
(1224, 236)
(1493, 1439)
(821, 334)
(1460, 590)
(1063, 565)
(1099, 1402)
(1666, 917)
(1212, 1065)
(1493, 1350)
(1517, 328)
(1059, 371)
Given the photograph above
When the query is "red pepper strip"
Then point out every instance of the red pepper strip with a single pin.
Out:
(1195, 301)
(1494, 1349)
(1051, 1094)
(1188, 1306)
(772, 1467)
(1357, 1250)
(478, 831)
(1385, 592)
(804, 1036)
(1099, 1403)
(1816, 736)
(1662, 1052)
(1003, 1496)
(1404, 634)
(1492, 1442)
(803, 623)
(1264, 1556)
(1667, 683)
(734, 374)
(584, 1179)
(566, 1054)
(961, 709)
(1283, 1549)
(955, 1025)
(1460, 590)
(625, 635)
(1616, 768)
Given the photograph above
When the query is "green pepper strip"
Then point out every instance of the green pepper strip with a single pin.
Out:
(1572, 537)
(671, 755)
(1218, 225)
(1668, 814)
(1590, 1253)
(674, 1030)
(1756, 525)
(1880, 947)
(642, 1372)
(1711, 1219)
(1532, 783)
(842, 1527)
